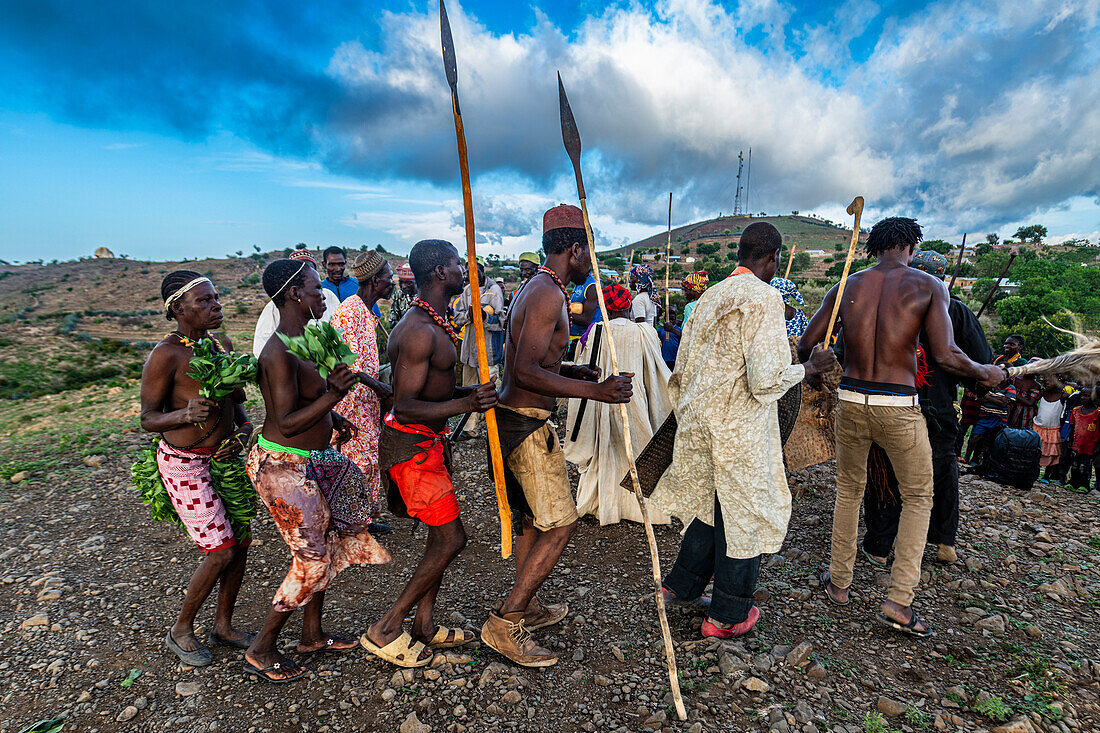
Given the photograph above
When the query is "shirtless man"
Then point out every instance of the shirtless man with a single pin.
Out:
(315, 494)
(193, 432)
(535, 472)
(884, 309)
(414, 453)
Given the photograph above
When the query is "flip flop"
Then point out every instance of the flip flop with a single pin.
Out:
(671, 599)
(402, 651)
(909, 628)
(329, 648)
(243, 643)
(252, 670)
(461, 637)
(200, 657)
(873, 559)
(826, 582)
(712, 630)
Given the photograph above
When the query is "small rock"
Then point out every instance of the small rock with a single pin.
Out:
(94, 461)
(755, 684)
(1033, 631)
(890, 708)
(412, 724)
(187, 689)
(1016, 725)
(994, 624)
(816, 672)
(799, 655)
(39, 619)
(19, 477)
(389, 693)
(510, 698)
(973, 564)
(85, 696)
(128, 713)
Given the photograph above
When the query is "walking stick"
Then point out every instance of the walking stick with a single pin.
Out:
(996, 285)
(958, 264)
(451, 67)
(668, 251)
(592, 359)
(790, 261)
(856, 207)
(572, 139)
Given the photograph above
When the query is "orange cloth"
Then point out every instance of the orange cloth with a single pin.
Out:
(424, 481)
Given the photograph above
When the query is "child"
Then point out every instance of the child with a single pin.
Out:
(1086, 435)
(1048, 424)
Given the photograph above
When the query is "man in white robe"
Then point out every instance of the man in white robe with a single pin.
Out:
(727, 481)
(599, 451)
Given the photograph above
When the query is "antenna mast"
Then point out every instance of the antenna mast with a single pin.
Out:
(737, 196)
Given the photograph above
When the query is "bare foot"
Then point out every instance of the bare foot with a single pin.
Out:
(228, 633)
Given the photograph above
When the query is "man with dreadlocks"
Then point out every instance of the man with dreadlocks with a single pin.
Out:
(194, 432)
(313, 492)
(646, 302)
(415, 454)
(884, 310)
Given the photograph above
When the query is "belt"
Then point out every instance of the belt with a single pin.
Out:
(878, 400)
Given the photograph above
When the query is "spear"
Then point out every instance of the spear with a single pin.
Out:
(572, 139)
(668, 251)
(451, 67)
(996, 285)
(790, 260)
(856, 207)
(958, 264)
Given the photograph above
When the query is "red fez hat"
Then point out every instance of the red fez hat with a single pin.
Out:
(562, 216)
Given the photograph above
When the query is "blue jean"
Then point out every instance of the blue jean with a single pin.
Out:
(702, 557)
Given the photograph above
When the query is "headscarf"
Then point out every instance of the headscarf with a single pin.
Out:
(695, 282)
(617, 297)
(796, 326)
(405, 273)
(644, 275)
(930, 261)
(303, 255)
(367, 265)
(531, 257)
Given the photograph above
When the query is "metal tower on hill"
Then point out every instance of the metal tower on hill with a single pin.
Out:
(737, 196)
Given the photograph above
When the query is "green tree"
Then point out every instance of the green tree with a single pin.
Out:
(801, 262)
(707, 248)
(992, 239)
(1031, 233)
(615, 262)
(937, 245)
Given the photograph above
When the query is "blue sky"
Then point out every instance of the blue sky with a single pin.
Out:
(201, 129)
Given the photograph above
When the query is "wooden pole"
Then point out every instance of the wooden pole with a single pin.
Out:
(997, 285)
(572, 140)
(856, 207)
(668, 252)
(958, 264)
(790, 259)
(451, 67)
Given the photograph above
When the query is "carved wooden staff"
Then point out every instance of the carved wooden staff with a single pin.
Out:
(856, 207)
(451, 67)
(790, 260)
(958, 264)
(572, 140)
(996, 285)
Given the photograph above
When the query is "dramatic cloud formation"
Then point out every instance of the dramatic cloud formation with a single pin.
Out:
(962, 113)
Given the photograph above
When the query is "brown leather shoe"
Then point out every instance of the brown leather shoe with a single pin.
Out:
(537, 615)
(508, 636)
(947, 555)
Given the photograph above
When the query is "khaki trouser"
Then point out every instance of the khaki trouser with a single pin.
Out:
(902, 433)
(470, 378)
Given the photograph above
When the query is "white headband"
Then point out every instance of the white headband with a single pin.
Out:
(175, 296)
(296, 272)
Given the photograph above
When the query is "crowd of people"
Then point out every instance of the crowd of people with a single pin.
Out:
(333, 451)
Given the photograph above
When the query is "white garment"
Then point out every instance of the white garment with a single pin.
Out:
(269, 320)
(643, 307)
(599, 451)
(491, 295)
(1050, 414)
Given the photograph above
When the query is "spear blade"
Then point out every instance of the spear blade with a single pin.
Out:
(570, 136)
(450, 64)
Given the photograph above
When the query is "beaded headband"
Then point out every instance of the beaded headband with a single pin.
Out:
(176, 295)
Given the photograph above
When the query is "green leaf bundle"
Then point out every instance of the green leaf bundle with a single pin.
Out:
(321, 344)
(218, 373)
(230, 483)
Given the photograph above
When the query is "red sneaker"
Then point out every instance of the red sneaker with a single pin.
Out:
(717, 632)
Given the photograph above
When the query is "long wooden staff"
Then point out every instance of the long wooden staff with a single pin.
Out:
(572, 139)
(958, 264)
(997, 285)
(451, 67)
(856, 207)
(790, 260)
(668, 251)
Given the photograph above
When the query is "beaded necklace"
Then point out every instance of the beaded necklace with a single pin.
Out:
(190, 343)
(424, 305)
(554, 275)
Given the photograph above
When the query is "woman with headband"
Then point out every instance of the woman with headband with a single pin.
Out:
(194, 431)
(313, 492)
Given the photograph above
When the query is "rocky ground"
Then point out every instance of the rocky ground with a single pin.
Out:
(90, 585)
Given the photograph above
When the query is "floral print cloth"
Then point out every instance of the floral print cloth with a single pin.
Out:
(727, 443)
(797, 325)
(361, 405)
(298, 491)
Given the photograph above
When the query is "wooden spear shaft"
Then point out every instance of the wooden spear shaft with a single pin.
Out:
(790, 260)
(572, 140)
(856, 207)
(997, 285)
(495, 453)
(958, 264)
(668, 251)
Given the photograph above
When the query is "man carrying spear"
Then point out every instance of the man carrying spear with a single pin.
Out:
(535, 471)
